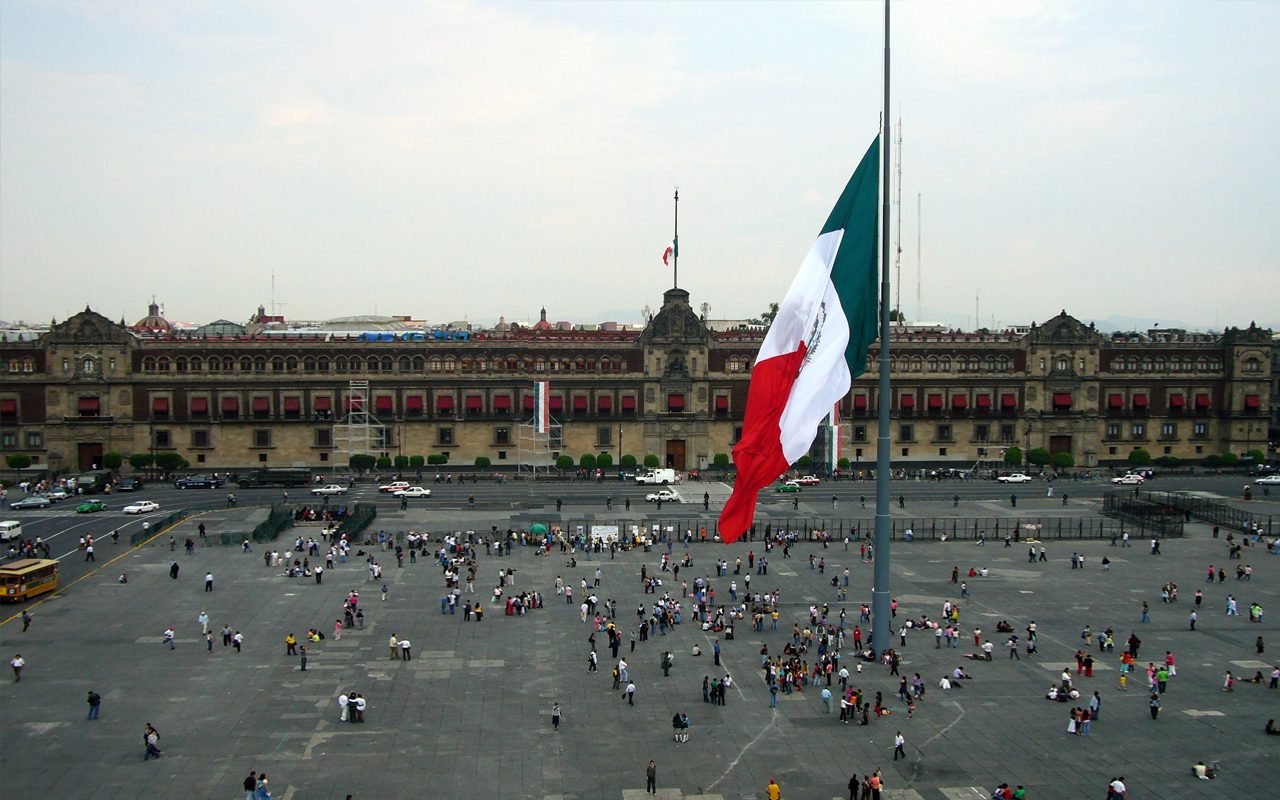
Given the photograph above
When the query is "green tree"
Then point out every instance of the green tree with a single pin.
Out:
(1013, 456)
(1139, 457)
(483, 462)
(1062, 461)
(588, 461)
(383, 462)
(604, 460)
(564, 462)
(401, 462)
(628, 461)
(112, 460)
(767, 317)
(1212, 461)
(651, 461)
(416, 462)
(803, 463)
(1038, 456)
(1230, 459)
(721, 461)
(1168, 462)
(361, 462)
(895, 315)
(168, 461)
(18, 460)
(438, 459)
(141, 460)
(844, 463)
(1257, 456)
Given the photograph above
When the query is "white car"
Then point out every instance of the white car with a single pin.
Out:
(394, 486)
(1132, 480)
(1268, 480)
(142, 507)
(332, 488)
(663, 496)
(413, 491)
(1016, 477)
(808, 480)
(56, 494)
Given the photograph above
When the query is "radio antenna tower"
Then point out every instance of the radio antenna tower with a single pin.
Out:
(919, 256)
(897, 207)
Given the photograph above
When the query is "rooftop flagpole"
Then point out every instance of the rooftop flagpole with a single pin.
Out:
(675, 245)
(881, 597)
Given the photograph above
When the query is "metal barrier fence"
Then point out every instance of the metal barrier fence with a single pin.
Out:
(155, 525)
(1211, 511)
(1147, 513)
(362, 517)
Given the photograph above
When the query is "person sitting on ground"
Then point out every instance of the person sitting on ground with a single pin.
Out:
(696, 650)
(958, 674)
(1271, 728)
(1202, 772)
(1004, 626)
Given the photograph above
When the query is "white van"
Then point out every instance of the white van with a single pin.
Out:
(660, 477)
(10, 530)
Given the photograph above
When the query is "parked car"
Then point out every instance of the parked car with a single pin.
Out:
(1131, 479)
(142, 507)
(394, 486)
(1016, 477)
(412, 491)
(1269, 480)
(90, 506)
(663, 496)
(34, 501)
(331, 489)
(128, 485)
(197, 482)
(808, 480)
(789, 486)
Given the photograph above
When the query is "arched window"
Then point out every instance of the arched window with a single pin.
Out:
(466, 363)
(1064, 364)
(1160, 365)
(308, 364)
(945, 364)
(580, 364)
(1251, 364)
(433, 364)
(277, 364)
(291, 364)
(1005, 363)
(418, 363)
(512, 364)
(371, 364)
(148, 365)
(215, 365)
(539, 365)
(933, 364)
(88, 366)
(197, 364)
(402, 363)
(1148, 364)
(449, 365)
(917, 364)
(162, 364)
(340, 364)
(322, 364)
(260, 364)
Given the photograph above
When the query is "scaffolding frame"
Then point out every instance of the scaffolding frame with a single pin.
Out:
(536, 452)
(359, 432)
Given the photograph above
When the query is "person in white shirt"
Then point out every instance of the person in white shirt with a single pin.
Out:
(1117, 788)
(17, 662)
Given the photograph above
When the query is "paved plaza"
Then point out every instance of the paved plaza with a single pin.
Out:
(469, 715)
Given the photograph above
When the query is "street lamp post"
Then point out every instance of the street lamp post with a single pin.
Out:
(619, 445)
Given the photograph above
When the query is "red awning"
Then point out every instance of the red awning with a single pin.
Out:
(604, 402)
(860, 402)
(1177, 401)
(579, 402)
(502, 402)
(1139, 401)
(231, 405)
(959, 401)
(261, 405)
(475, 402)
(160, 405)
(628, 402)
(89, 404)
(982, 401)
(908, 401)
(1062, 399)
(444, 402)
(529, 403)
(722, 402)
(1252, 402)
(293, 404)
(384, 402)
(1202, 401)
(1115, 401)
(199, 405)
(675, 402)
(557, 403)
(413, 402)
(1008, 401)
(8, 406)
(935, 401)
(323, 403)
(355, 404)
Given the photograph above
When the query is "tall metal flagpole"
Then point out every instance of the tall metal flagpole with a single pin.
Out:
(675, 246)
(881, 616)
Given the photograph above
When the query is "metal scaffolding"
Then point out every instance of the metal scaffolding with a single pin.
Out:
(536, 452)
(358, 431)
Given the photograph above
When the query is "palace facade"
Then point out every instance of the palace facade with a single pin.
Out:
(676, 389)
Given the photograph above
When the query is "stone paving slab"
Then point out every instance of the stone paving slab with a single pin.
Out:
(469, 715)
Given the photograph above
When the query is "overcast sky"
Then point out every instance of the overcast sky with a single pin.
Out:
(453, 160)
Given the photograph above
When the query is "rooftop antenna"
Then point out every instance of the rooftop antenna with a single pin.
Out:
(977, 316)
(897, 236)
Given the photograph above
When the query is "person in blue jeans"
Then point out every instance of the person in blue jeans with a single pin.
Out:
(95, 704)
(773, 695)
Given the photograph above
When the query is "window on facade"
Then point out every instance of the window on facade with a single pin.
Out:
(1139, 430)
(944, 433)
(35, 440)
(1252, 365)
(324, 437)
(199, 438)
(1169, 429)
(502, 436)
(1063, 364)
(8, 439)
(737, 434)
(66, 365)
(444, 436)
(1200, 429)
(1113, 430)
(161, 439)
(384, 438)
(1006, 433)
(261, 437)
(906, 451)
(905, 433)
(604, 436)
(859, 433)
(981, 432)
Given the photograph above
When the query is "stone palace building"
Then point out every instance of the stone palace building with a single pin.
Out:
(225, 399)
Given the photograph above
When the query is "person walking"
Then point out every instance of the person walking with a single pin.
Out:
(151, 737)
(630, 694)
(168, 637)
(250, 785)
(26, 620)
(773, 791)
(1154, 703)
(899, 742)
(95, 704)
(555, 717)
(303, 658)
(651, 777)
(208, 581)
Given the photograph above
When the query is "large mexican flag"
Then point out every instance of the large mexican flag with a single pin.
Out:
(815, 348)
